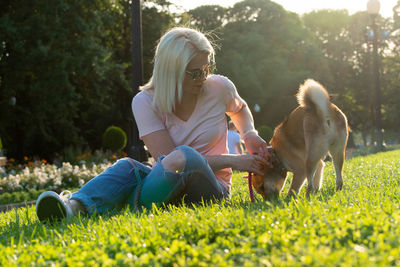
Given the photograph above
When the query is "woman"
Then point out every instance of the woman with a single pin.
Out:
(180, 115)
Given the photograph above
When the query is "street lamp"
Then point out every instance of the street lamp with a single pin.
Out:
(136, 147)
(373, 7)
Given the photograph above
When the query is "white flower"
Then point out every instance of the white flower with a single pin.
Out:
(47, 173)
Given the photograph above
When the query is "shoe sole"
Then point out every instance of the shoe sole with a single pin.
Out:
(50, 209)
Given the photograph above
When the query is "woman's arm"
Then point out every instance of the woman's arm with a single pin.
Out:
(244, 122)
(249, 163)
(159, 143)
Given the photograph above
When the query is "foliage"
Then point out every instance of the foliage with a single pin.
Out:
(34, 174)
(346, 43)
(60, 73)
(272, 53)
(355, 227)
(341, 37)
(391, 81)
(114, 138)
(77, 156)
(156, 20)
(208, 18)
(20, 196)
(71, 74)
(265, 132)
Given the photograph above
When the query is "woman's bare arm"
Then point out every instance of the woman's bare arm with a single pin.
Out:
(160, 143)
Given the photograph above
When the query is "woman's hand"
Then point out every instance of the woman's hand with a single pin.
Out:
(249, 163)
(256, 145)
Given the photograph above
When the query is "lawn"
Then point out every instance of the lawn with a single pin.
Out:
(358, 226)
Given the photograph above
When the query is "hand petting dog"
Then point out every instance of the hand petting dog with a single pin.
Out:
(257, 146)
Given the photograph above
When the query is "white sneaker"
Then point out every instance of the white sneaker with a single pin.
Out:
(54, 207)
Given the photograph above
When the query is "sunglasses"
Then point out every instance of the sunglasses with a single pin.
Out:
(197, 74)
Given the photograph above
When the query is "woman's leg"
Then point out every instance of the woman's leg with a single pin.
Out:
(200, 181)
(183, 173)
(107, 191)
(110, 189)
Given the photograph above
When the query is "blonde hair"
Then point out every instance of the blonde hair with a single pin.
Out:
(174, 51)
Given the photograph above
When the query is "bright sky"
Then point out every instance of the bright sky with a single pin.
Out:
(301, 6)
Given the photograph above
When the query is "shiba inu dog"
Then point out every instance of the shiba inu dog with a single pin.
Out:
(301, 142)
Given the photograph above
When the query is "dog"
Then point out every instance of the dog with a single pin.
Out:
(301, 142)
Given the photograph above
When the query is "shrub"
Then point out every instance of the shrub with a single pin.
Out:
(114, 138)
(265, 132)
(22, 196)
(6, 198)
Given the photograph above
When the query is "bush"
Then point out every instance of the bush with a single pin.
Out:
(265, 132)
(22, 196)
(114, 138)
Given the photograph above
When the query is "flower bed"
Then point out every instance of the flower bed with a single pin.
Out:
(47, 176)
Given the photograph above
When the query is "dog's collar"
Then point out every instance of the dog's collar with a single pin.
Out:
(276, 162)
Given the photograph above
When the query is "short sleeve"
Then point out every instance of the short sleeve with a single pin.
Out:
(147, 119)
(233, 101)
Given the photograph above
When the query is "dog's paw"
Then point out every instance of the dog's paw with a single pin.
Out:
(339, 186)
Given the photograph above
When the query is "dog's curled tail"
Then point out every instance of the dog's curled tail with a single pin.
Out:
(313, 95)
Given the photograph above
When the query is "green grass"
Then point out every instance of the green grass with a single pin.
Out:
(355, 227)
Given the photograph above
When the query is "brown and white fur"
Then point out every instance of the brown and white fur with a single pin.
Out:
(301, 142)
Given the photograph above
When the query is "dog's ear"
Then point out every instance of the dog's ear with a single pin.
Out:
(271, 156)
(258, 184)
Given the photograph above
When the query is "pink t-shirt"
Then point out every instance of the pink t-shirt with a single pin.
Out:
(205, 130)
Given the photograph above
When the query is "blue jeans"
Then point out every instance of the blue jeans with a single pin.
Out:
(117, 186)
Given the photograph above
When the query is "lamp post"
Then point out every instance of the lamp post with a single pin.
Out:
(136, 147)
(373, 7)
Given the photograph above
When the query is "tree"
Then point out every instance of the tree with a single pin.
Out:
(68, 65)
(208, 17)
(391, 81)
(55, 65)
(345, 42)
(267, 53)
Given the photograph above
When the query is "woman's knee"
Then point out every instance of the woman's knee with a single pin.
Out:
(174, 161)
(193, 159)
(184, 157)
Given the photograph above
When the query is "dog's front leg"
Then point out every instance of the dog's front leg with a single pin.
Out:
(297, 183)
